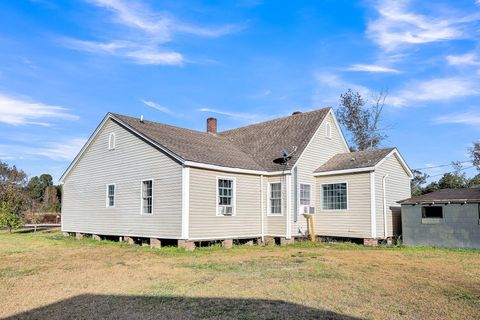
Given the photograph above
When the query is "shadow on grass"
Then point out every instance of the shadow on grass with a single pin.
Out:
(173, 307)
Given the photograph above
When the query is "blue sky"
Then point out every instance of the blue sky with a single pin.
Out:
(65, 64)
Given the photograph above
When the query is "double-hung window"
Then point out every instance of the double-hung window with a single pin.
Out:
(305, 194)
(276, 198)
(147, 196)
(110, 195)
(225, 196)
(334, 196)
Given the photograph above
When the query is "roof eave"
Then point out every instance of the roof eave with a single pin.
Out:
(344, 171)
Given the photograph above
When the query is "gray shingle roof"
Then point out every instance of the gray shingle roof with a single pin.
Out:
(252, 147)
(446, 195)
(263, 140)
(354, 160)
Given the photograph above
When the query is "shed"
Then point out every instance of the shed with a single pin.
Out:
(445, 218)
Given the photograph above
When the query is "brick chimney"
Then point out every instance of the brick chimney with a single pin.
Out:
(212, 125)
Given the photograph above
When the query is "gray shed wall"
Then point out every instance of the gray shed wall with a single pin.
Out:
(459, 227)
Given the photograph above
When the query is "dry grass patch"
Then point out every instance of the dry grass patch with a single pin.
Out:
(43, 275)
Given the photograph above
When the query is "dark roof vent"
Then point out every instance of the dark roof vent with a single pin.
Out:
(296, 112)
(353, 159)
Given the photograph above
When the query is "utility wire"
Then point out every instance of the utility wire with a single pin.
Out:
(441, 174)
(442, 165)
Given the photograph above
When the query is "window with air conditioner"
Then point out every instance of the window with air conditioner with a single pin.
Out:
(305, 198)
(225, 196)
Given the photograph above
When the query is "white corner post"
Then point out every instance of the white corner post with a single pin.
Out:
(384, 189)
(373, 209)
(262, 206)
(185, 201)
(288, 189)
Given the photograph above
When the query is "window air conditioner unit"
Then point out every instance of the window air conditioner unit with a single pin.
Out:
(307, 210)
(225, 210)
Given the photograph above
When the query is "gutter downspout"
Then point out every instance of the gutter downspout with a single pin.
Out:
(288, 215)
(261, 209)
(384, 205)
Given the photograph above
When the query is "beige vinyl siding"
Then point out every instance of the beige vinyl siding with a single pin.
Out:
(203, 220)
(354, 222)
(397, 188)
(275, 225)
(132, 160)
(319, 151)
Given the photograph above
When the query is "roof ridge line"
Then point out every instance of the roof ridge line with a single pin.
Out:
(273, 120)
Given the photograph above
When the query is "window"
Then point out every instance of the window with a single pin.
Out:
(147, 196)
(328, 130)
(334, 196)
(226, 196)
(111, 141)
(432, 212)
(275, 198)
(110, 195)
(305, 194)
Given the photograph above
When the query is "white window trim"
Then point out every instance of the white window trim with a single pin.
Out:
(107, 202)
(328, 133)
(269, 203)
(321, 196)
(234, 196)
(141, 196)
(312, 193)
(111, 146)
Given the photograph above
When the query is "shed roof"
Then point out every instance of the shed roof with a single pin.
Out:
(471, 195)
(354, 160)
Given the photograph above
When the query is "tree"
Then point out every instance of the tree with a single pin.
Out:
(51, 202)
(431, 187)
(12, 197)
(454, 180)
(475, 154)
(362, 121)
(474, 182)
(37, 185)
(419, 178)
(12, 205)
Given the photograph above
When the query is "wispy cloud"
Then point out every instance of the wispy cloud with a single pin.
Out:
(17, 112)
(147, 33)
(443, 89)
(398, 25)
(469, 118)
(339, 85)
(158, 107)
(244, 116)
(371, 68)
(64, 150)
(469, 58)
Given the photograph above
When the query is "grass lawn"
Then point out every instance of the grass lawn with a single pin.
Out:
(45, 276)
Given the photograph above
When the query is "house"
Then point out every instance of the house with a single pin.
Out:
(445, 218)
(141, 179)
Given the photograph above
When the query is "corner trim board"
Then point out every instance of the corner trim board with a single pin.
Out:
(185, 201)
(373, 217)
